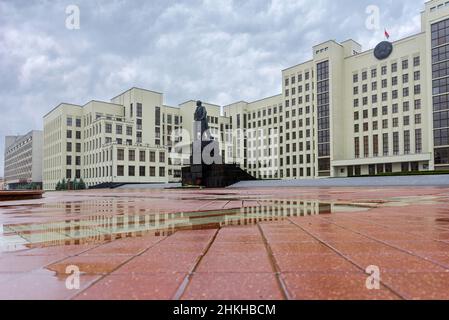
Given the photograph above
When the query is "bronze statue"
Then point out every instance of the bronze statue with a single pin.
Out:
(201, 116)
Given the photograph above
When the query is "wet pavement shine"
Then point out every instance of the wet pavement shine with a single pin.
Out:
(260, 243)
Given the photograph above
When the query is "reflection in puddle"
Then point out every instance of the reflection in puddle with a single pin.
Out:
(132, 221)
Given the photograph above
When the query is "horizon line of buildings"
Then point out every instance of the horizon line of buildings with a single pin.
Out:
(346, 112)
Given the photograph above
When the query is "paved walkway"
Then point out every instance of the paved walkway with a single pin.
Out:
(278, 255)
(431, 180)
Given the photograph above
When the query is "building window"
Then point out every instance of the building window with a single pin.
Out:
(375, 145)
(366, 146)
(142, 156)
(152, 171)
(69, 160)
(69, 147)
(407, 142)
(118, 129)
(69, 134)
(416, 61)
(120, 171)
(161, 171)
(131, 171)
(357, 147)
(385, 144)
(417, 118)
(69, 121)
(142, 171)
(131, 155)
(139, 110)
(418, 141)
(406, 120)
(395, 143)
(404, 64)
(161, 156)
(417, 75)
(417, 104)
(108, 127)
(69, 174)
(120, 154)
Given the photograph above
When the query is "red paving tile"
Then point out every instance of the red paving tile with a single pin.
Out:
(231, 261)
(314, 263)
(235, 262)
(233, 286)
(294, 248)
(419, 285)
(152, 286)
(397, 262)
(160, 263)
(333, 286)
(130, 246)
(89, 264)
(42, 286)
(19, 264)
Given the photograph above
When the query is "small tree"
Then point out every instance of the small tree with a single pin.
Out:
(64, 184)
(75, 184)
(58, 186)
(81, 184)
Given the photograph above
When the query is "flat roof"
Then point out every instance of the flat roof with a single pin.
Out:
(62, 103)
(211, 104)
(136, 88)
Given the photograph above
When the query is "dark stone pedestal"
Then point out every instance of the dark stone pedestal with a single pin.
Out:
(214, 176)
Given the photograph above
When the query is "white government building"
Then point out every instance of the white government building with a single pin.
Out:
(346, 112)
(23, 160)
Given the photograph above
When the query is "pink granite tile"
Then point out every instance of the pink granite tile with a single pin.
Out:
(314, 263)
(14, 264)
(419, 285)
(299, 248)
(148, 286)
(42, 286)
(128, 246)
(233, 286)
(333, 286)
(160, 263)
(89, 264)
(397, 262)
(235, 262)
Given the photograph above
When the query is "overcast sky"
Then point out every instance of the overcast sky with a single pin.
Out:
(220, 51)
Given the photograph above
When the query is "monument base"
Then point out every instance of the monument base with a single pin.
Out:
(214, 176)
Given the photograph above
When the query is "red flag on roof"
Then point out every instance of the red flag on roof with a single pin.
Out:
(387, 35)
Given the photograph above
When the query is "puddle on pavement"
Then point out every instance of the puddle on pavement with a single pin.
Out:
(120, 219)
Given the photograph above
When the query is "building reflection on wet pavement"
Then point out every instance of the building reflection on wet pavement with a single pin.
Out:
(282, 243)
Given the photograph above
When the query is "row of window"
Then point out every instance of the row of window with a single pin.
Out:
(394, 109)
(299, 77)
(384, 69)
(385, 122)
(386, 144)
(384, 96)
(142, 155)
(384, 83)
(142, 171)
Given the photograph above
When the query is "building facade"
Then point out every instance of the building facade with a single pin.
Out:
(132, 139)
(349, 112)
(23, 160)
(346, 112)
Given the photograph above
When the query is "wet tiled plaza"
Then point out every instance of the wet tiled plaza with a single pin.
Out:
(259, 243)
